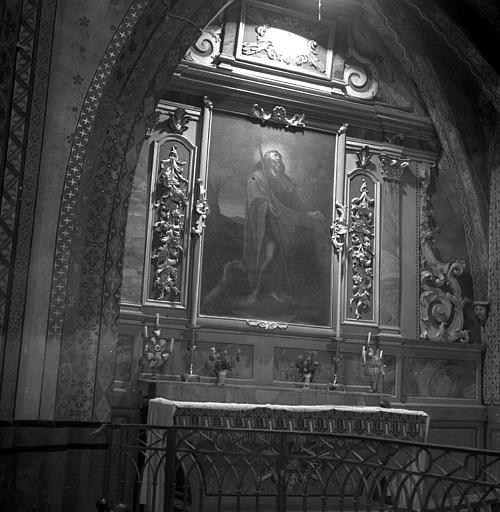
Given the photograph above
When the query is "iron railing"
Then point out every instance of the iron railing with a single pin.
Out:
(229, 470)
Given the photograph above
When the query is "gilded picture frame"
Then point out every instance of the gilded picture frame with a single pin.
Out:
(266, 258)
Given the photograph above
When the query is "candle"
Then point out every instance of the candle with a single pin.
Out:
(363, 355)
(369, 336)
(381, 352)
(171, 345)
(157, 319)
(145, 331)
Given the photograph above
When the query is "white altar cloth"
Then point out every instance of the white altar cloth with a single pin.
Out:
(354, 420)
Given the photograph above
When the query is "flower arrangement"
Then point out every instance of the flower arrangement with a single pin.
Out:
(222, 360)
(307, 365)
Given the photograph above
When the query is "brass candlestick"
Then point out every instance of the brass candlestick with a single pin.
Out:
(191, 376)
(373, 363)
(335, 384)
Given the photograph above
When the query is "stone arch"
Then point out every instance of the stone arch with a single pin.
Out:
(88, 262)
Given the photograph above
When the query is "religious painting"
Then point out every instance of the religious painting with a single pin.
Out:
(267, 251)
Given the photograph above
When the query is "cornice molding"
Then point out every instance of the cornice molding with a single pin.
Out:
(319, 105)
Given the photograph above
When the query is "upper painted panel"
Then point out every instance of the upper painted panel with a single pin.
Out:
(279, 38)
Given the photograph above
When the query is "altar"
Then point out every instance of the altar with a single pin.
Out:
(254, 436)
(372, 421)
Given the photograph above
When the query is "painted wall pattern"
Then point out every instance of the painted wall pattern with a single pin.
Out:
(11, 135)
(88, 348)
(22, 173)
(68, 209)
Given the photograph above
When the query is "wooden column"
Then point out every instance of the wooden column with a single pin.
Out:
(392, 170)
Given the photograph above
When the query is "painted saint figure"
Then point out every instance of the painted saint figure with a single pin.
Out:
(275, 216)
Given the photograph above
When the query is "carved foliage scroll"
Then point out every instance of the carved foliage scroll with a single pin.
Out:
(169, 210)
(441, 302)
(277, 37)
(278, 117)
(338, 229)
(361, 251)
(201, 210)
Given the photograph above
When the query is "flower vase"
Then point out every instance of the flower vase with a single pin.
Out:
(307, 380)
(221, 377)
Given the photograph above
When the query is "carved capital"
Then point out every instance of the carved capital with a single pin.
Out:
(278, 116)
(393, 168)
(266, 324)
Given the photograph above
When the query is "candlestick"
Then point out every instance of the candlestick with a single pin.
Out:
(191, 376)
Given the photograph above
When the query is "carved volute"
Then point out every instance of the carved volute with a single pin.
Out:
(441, 302)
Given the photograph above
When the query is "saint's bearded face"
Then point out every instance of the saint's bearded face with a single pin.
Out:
(274, 162)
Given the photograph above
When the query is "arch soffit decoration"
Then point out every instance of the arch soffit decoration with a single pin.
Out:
(110, 155)
(87, 273)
